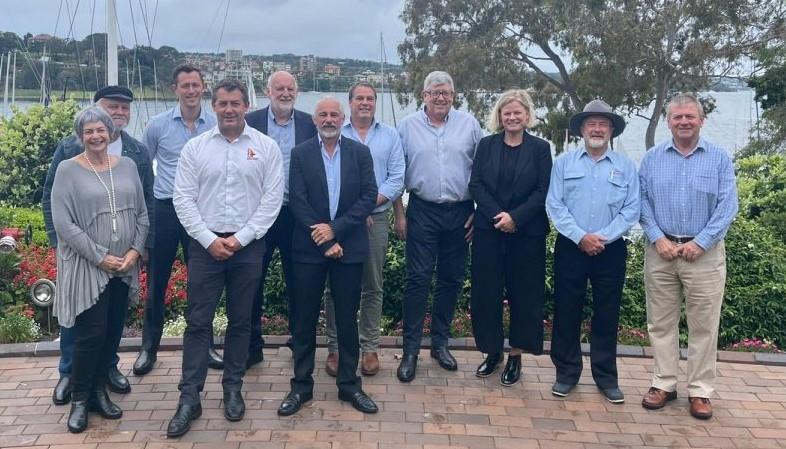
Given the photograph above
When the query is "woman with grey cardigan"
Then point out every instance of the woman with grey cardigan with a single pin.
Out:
(100, 218)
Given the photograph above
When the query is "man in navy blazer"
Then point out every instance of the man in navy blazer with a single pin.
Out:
(332, 192)
(288, 127)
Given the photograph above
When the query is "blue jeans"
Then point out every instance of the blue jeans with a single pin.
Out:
(68, 336)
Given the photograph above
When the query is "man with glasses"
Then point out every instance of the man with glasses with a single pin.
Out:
(439, 146)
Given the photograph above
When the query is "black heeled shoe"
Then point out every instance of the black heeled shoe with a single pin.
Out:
(512, 372)
(489, 365)
(77, 419)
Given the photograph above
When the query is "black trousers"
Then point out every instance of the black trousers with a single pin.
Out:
(94, 343)
(515, 265)
(606, 274)
(169, 233)
(278, 236)
(435, 238)
(307, 288)
(240, 276)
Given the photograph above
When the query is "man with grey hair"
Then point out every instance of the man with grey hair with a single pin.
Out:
(116, 101)
(288, 127)
(439, 146)
(332, 193)
(688, 201)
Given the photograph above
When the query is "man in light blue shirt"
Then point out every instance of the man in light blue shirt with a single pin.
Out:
(688, 201)
(439, 146)
(593, 200)
(388, 156)
(165, 136)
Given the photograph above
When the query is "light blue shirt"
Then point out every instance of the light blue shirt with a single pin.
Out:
(284, 135)
(688, 196)
(593, 197)
(388, 157)
(165, 136)
(439, 159)
(332, 175)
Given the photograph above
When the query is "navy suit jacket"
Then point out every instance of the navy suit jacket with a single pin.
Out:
(309, 203)
(304, 126)
(531, 183)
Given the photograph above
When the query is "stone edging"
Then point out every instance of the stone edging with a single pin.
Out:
(51, 348)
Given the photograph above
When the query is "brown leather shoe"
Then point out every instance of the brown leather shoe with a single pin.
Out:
(700, 408)
(369, 364)
(657, 398)
(331, 364)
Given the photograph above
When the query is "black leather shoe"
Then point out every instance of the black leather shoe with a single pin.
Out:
(181, 422)
(407, 367)
(254, 358)
(144, 362)
(77, 419)
(234, 407)
(99, 402)
(561, 389)
(360, 401)
(512, 372)
(444, 358)
(214, 360)
(116, 381)
(293, 402)
(62, 393)
(489, 365)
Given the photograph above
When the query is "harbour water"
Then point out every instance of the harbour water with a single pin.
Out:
(729, 125)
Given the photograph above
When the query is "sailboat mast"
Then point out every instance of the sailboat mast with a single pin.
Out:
(111, 43)
(13, 81)
(382, 77)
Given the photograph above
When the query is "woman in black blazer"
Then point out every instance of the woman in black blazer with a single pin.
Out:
(510, 178)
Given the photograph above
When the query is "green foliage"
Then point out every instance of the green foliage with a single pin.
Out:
(761, 186)
(27, 142)
(18, 329)
(9, 293)
(20, 217)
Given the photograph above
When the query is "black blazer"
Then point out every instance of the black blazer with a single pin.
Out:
(304, 126)
(530, 185)
(309, 203)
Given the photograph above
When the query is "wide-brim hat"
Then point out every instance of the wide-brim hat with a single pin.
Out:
(114, 93)
(597, 108)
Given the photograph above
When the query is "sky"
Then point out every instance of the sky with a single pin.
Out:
(329, 28)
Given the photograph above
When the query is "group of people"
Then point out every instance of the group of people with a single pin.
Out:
(231, 187)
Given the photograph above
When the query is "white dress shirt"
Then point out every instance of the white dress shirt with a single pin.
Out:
(223, 186)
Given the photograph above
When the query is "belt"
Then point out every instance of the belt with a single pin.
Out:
(679, 240)
(224, 235)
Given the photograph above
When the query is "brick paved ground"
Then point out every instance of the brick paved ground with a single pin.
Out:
(439, 409)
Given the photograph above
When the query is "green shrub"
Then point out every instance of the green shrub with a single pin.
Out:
(20, 217)
(18, 329)
(761, 184)
(27, 142)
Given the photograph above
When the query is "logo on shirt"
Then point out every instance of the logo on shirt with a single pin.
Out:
(251, 155)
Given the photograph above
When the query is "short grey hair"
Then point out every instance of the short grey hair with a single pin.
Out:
(682, 99)
(92, 114)
(329, 98)
(518, 95)
(270, 78)
(437, 77)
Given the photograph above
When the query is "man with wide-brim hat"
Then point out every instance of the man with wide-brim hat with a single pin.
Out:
(593, 200)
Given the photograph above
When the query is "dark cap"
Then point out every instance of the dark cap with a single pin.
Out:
(114, 93)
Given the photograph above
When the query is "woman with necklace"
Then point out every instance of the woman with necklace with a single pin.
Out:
(509, 182)
(99, 215)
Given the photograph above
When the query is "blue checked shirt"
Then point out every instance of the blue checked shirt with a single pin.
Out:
(332, 175)
(165, 136)
(593, 197)
(284, 135)
(388, 156)
(688, 196)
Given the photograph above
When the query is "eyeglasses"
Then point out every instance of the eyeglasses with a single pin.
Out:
(439, 93)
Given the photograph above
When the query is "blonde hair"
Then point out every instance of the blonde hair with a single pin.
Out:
(495, 121)
(682, 99)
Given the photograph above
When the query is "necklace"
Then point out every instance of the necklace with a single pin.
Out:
(110, 193)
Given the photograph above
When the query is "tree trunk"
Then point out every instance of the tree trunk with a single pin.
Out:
(662, 89)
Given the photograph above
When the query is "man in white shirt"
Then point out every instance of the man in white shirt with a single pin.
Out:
(228, 191)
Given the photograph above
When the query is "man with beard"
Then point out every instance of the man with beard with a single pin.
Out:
(227, 194)
(332, 193)
(593, 200)
(164, 136)
(116, 101)
(688, 201)
(288, 127)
